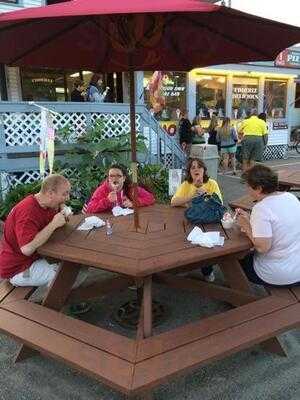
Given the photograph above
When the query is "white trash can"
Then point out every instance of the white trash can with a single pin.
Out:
(208, 153)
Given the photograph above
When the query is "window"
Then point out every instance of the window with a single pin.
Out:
(210, 95)
(275, 98)
(165, 96)
(244, 97)
(297, 96)
(47, 84)
(3, 88)
(165, 93)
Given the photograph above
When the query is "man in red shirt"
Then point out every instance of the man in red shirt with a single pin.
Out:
(28, 226)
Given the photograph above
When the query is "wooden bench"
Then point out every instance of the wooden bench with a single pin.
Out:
(91, 349)
(9, 293)
(136, 366)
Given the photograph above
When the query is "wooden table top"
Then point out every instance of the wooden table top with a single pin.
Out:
(245, 203)
(289, 177)
(159, 245)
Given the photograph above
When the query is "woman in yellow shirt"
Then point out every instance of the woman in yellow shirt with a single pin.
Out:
(196, 183)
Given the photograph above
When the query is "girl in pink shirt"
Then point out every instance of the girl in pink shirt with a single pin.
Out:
(117, 190)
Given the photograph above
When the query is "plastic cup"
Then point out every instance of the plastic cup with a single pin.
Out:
(227, 223)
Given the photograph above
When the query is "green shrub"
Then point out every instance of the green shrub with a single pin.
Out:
(16, 194)
(86, 166)
(155, 178)
(87, 163)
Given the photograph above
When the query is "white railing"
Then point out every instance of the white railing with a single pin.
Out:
(20, 131)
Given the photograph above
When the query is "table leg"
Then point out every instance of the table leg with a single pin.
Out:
(55, 298)
(145, 322)
(236, 278)
(147, 306)
(147, 310)
(61, 286)
(234, 275)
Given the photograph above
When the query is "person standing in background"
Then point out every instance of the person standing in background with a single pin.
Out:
(227, 137)
(94, 93)
(185, 132)
(252, 130)
(198, 137)
(77, 92)
(263, 116)
(212, 130)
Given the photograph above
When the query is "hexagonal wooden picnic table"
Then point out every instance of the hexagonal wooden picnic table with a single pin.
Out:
(156, 252)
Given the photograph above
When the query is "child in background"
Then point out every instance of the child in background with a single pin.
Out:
(227, 139)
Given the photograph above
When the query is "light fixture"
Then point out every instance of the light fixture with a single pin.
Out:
(213, 71)
(77, 74)
(59, 90)
(204, 78)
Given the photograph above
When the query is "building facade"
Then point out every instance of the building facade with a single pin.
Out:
(225, 90)
(232, 91)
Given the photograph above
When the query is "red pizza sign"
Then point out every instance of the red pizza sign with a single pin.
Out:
(288, 58)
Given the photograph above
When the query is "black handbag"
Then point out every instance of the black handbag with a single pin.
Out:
(205, 209)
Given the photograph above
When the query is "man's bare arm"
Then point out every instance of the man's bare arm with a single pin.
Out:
(42, 236)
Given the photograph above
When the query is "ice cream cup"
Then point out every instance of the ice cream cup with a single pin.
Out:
(67, 211)
(227, 223)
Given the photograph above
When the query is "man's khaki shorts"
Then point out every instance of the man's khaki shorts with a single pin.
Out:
(252, 148)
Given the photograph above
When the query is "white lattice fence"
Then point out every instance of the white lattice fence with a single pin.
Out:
(22, 177)
(166, 154)
(23, 129)
(16, 178)
(20, 130)
(116, 124)
(275, 152)
(76, 121)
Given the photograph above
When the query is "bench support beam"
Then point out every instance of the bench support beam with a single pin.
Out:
(55, 299)
(237, 279)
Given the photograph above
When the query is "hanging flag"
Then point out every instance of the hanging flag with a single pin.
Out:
(47, 137)
(50, 140)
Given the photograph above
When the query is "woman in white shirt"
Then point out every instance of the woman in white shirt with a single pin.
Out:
(273, 228)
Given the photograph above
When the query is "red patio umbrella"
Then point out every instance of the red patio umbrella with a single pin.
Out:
(114, 35)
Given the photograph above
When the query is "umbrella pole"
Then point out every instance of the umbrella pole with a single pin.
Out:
(133, 147)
